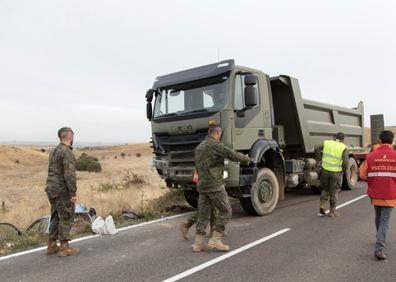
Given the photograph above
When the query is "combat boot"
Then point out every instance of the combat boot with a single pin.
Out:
(199, 243)
(322, 207)
(216, 243)
(52, 247)
(225, 234)
(66, 250)
(184, 227)
(333, 213)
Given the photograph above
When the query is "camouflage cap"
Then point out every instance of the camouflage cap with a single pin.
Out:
(64, 129)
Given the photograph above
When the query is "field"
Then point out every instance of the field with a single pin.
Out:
(23, 172)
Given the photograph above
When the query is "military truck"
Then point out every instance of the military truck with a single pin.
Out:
(262, 116)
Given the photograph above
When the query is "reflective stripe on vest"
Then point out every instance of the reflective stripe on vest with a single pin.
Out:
(381, 174)
(332, 155)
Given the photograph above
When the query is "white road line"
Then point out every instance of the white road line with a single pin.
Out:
(351, 201)
(225, 256)
(347, 203)
(153, 221)
(94, 236)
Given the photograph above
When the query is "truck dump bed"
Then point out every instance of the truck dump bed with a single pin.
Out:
(306, 123)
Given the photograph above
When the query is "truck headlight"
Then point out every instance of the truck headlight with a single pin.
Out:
(225, 174)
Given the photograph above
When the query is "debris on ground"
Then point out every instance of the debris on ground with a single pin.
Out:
(8, 230)
(41, 225)
(82, 211)
(104, 227)
(131, 215)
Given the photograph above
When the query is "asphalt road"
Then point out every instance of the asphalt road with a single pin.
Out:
(311, 248)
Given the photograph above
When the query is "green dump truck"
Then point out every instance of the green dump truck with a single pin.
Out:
(262, 116)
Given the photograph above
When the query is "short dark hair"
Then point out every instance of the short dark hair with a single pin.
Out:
(386, 137)
(340, 136)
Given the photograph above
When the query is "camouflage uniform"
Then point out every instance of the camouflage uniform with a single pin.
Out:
(209, 161)
(330, 183)
(194, 218)
(61, 186)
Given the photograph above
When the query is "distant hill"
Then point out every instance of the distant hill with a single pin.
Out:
(12, 157)
(367, 133)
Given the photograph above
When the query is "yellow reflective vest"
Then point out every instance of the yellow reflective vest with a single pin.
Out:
(332, 155)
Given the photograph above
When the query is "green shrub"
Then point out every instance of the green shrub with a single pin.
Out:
(94, 167)
(88, 163)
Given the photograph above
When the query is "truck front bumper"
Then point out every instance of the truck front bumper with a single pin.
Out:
(183, 175)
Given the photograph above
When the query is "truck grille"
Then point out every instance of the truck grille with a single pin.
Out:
(178, 146)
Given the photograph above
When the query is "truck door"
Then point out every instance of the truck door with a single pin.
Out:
(249, 124)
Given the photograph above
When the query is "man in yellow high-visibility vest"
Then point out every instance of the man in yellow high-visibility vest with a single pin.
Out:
(334, 162)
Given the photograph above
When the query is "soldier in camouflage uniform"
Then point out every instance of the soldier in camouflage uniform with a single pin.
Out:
(61, 191)
(209, 162)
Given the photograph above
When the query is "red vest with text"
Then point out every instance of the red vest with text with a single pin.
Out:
(382, 173)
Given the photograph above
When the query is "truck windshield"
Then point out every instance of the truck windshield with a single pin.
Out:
(187, 100)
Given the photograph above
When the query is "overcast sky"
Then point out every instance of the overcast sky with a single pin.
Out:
(87, 64)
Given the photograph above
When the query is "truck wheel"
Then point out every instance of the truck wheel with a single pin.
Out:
(191, 197)
(264, 194)
(351, 175)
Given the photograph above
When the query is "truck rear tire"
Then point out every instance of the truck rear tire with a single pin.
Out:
(264, 194)
(191, 197)
(351, 176)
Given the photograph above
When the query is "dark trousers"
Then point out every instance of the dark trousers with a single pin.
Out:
(330, 184)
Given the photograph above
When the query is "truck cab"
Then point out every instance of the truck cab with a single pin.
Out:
(262, 116)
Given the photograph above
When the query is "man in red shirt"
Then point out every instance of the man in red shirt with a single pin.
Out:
(379, 169)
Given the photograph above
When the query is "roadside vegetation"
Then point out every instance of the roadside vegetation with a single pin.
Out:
(125, 185)
(170, 203)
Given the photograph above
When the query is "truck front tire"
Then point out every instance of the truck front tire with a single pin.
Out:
(264, 194)
(191, 197)
(351, 176)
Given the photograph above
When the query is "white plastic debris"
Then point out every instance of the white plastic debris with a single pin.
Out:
(98, 226)
(110, 226)
(104, 227)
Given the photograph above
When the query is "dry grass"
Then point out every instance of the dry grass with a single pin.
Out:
(22, 185)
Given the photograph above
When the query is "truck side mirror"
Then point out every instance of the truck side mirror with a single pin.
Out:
(149, 111)
(149, 108)
(149, 95)
(250, 92)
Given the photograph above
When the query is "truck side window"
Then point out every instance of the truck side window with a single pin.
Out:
(239, 96)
